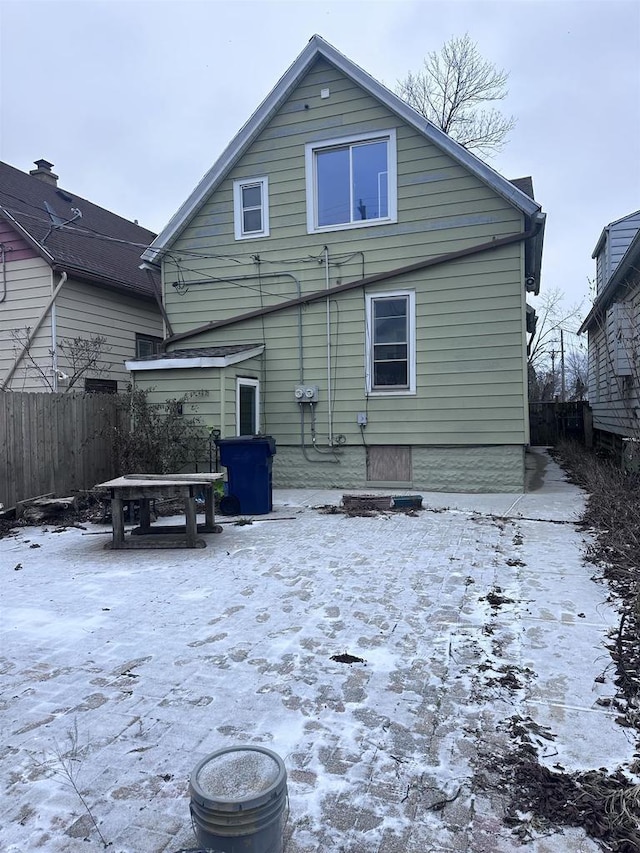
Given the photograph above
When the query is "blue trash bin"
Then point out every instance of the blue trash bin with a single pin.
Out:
(248, 460)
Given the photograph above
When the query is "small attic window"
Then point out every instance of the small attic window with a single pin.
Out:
(251, 208)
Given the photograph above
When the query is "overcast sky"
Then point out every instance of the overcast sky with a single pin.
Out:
(134, 101)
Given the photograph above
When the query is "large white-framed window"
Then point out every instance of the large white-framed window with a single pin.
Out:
(351, 182)
(247, 406)
(390, 343)
(251, 208)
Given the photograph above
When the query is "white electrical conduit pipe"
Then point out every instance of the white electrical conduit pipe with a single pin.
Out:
(329, 391)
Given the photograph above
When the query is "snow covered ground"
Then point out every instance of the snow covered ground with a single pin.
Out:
(126, 668)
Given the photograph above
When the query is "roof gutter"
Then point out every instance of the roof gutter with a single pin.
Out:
(85, 275)
(149, 269)
(317, 295)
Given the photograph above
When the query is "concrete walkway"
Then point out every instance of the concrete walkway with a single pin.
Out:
(123, 669)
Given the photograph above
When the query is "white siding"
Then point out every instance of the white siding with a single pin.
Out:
(614, 381)
(617, 239)
(28, 287)
(84, 310)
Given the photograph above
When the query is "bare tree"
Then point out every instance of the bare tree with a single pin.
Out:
(553, 347)
(450, 91)
(78, 358)
(552, 315)
(577, 372)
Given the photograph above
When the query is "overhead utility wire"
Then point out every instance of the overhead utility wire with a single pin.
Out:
(337, 259)
(228, 280)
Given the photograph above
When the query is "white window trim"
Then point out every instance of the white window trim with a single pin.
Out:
(368, 354)
(253, 383)
(392, 178)
(238, 185)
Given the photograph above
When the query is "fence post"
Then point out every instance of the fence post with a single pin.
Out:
(587, 420)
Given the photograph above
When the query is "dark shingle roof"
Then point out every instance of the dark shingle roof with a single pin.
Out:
(201, 352)
(525, 185)
(79, 247)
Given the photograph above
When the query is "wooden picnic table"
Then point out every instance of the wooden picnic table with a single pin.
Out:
(143, 488)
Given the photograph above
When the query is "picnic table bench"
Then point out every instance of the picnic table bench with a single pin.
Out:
(143, 488)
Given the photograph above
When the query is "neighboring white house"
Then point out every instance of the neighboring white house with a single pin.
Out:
(69, 270)
(613, 326)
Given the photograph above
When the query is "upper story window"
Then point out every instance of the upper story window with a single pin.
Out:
(251, 208)
(351, 182)
(391, 362)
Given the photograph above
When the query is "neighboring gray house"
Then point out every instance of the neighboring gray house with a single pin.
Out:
(69, 270)
(613, 326)
(350, 280)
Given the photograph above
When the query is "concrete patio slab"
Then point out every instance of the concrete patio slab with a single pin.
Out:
(122, 670)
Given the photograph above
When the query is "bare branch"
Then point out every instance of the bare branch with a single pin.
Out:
(450, 90)
(84, 356)
(22, 351)
(552, 315)
(78, 357)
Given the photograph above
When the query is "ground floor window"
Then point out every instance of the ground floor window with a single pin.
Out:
(247, 406)
(390, 353)
(147, 346)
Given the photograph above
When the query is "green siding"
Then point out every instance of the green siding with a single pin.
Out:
(471, 363)
(209, 392)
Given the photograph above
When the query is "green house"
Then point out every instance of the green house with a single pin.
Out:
(351, 281)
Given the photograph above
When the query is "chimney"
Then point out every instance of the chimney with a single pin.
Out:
(44, 173)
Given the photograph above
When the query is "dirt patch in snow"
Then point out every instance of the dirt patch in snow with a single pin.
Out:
(606, 805)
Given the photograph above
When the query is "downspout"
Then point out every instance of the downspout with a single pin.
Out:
(33, 332)
(491, 245)
(54, 346)
(158, 295)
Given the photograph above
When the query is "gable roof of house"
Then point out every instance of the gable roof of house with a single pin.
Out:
(99, 246)
(318, 48)
(607, 228)
(629, 263)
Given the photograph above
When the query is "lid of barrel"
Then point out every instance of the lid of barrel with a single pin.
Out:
(238, 778)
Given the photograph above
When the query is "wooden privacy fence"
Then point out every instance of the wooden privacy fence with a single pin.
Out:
(549, 422)
(56, 443)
